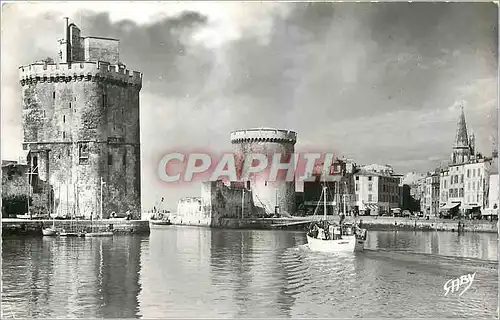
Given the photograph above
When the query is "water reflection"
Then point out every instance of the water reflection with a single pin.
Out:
(201, 272)
(477, 245)
(70, 277)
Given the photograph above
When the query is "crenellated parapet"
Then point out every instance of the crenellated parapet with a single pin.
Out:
(95, 71)
(263, 135)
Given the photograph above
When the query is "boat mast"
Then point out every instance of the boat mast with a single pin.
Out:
(324, 202)
(242, 201)
(344, 196)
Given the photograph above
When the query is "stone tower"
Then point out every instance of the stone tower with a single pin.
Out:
(463, 147)
(81, 127)
(271, 197)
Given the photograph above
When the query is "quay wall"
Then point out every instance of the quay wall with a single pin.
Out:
(384, 223)
(14, 227)
(370, 223)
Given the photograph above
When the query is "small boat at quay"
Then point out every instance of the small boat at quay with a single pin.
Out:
(63, 233)
(98, 234)
(324, 236)
(49, 232)
(161, 222)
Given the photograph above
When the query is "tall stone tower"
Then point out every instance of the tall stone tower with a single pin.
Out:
(81, 127)
(463, 149)
(270, 196)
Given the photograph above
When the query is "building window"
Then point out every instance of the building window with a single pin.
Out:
(265, 183)
(125, 157)
(461, 178)
(64, 135)
(370, 198)
(70, 105)
(357, 178)
(69, 152)
(104, 100)
(369, 178)
(110, 159)
(64, 118)
(473, 173)
(53, 94)
(461, 192)
(357, 187)
(468, 173)
(44, 113)
(357, 197)
(369, 187)
(468, 186)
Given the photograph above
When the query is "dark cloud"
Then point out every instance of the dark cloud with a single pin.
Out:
(379, 82)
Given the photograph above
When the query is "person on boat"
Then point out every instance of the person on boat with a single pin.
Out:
(321, 233)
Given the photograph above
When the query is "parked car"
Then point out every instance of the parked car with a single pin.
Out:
(406, 213)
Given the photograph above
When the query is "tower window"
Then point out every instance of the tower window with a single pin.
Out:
(83, 152)
(53, 94)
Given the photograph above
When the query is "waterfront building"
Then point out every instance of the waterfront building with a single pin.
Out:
(429, 201)
(410, 191)
(81, 128)
(491, 211)
(340, 191)
(15, 188)
(218, 201)
(377, 191)
(464, 184)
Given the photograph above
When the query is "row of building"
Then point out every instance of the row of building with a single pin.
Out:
(466, 187)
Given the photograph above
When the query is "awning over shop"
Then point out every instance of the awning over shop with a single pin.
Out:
(449, 206)
(490, 212)
(469, 206)
(371, 206)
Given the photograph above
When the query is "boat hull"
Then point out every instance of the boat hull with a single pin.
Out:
(346, 244)
(161, 223)
(99, 234)
(68, 234)
(49, 232)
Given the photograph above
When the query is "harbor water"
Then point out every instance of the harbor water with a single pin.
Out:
(201, 273)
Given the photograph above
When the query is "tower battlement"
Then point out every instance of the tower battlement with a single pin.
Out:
(264, 135)
(78, 71)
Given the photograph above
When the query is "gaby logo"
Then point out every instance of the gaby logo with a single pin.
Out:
(454, 285)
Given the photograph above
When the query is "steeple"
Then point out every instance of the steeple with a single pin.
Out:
(461, 139)
(463, 147)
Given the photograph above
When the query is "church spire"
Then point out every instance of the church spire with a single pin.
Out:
(461, 139)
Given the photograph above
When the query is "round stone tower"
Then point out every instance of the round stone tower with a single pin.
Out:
(81, 127)
(270, 196)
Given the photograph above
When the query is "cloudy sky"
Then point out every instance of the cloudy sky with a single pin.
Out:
(380, 83)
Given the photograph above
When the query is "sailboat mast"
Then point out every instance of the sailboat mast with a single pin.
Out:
(324, 202)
